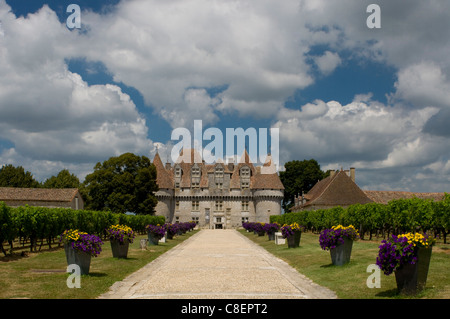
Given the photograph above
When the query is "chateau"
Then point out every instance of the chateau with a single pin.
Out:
(219, 195)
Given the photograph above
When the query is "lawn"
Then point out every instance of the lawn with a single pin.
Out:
(349, 281)
(42, 275)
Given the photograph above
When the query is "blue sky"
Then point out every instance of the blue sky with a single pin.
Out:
(339, 92)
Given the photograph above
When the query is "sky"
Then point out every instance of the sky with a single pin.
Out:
(344, 94)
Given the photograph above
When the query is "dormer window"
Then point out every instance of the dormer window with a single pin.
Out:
(195, 171)
(195, 176)
(245, 171)
(219, 171)
(177, 171)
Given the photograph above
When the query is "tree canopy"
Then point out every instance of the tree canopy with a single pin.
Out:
(125, 183)
(64, 179)
(11, 176)
(298, 177)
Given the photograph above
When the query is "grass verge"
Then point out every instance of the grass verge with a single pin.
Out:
(43, 275)
(349, 281)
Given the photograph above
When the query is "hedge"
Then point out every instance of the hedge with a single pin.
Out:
(42, 223)
(398, 216)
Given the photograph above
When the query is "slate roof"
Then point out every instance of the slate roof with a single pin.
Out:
(37, 194)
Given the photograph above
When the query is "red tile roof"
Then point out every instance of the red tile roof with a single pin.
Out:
(336, 190)
(37, 194)
(383, 197)
(165, 177)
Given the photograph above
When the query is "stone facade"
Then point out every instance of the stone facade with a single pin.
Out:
(217, 195)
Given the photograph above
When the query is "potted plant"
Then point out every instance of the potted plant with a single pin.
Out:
(155, 233)
(172, 230)
(408, 256)
(120, 237)
(292, 233)
(270, 229)
(339, 241)
(258, 228)
(80, 247)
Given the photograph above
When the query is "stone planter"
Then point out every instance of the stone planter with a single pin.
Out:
(80, 258)
(119, 250)
(411, 279)
(294, 241)
(152, 239)
(341, 254)
(169, 235)
(271, 236)
(261, 233)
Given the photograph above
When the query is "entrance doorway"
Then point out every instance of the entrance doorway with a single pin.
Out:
(218, 223)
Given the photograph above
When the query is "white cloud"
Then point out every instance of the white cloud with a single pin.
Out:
(50, 114)
(365, 134)
(328, 62)
(259, 52)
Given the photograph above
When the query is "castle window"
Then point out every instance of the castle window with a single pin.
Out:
(245, 205)
(177, 205)
(195, 184)
(178, 171)
(219, 185)
(244, 184)
(219, 205)
(195, 219)
(195, 205)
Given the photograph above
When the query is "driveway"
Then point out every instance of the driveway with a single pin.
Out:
(220, 264)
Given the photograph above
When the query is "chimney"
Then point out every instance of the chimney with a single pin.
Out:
(332, 172)
(352, 173)
(231, 164)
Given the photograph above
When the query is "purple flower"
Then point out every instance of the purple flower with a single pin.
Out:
(156, 230)
(330, 238)
(394, 253)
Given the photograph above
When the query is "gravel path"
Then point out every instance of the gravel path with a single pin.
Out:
(221, 264)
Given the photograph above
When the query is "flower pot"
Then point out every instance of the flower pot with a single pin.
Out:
(271, 235)
(80, 258)
(411, 278)
(261, 233)
(294, 240)
(152, 239)
(119, 249)
(169, 235)
(341, 254)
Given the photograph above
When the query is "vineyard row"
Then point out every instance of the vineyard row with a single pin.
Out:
(41, 223)
(398, 216)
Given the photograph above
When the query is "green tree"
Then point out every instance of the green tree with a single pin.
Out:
(298, 177)
(64, 179)
(126, 183)
(11, 176)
